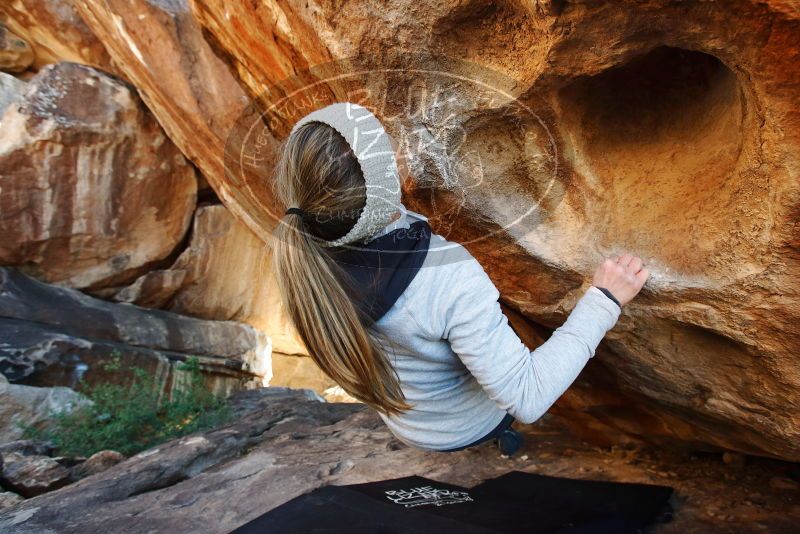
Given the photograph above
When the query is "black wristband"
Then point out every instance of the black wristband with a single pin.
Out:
(607, 293)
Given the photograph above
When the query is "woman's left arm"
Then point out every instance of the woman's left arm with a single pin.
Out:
(525, 383)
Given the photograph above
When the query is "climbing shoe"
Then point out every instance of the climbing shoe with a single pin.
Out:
(509, 442)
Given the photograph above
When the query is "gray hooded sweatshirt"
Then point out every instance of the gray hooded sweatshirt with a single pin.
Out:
(461, 366)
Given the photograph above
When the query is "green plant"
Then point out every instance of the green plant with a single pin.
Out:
(129, 418)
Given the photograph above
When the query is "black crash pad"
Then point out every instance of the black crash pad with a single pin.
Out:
(516, 502)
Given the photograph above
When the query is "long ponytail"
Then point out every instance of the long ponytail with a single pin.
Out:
(318, 172)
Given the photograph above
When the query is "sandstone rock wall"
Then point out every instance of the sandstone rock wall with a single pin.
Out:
(666, 129)
(16, 54)
(93, 192)
(225, 274)
(161, 49)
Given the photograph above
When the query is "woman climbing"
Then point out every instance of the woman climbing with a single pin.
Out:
(403, 319)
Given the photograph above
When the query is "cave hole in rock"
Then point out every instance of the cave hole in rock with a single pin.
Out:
(658, 141)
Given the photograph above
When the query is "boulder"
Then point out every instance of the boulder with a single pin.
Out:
(30, 447)
(94, 193)
(661, 128)
(224, 274)
(161, 49)
(33, 406)
(46, 326)
(24, 458)
(9, 499)
(56, 32)
(33, 475)
(96, 463)
(10, 90)
(16, 54)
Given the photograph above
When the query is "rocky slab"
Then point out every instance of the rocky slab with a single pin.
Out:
(42, 325)
(284, 444)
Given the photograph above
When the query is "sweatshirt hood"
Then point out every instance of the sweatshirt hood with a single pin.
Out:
(378, 271)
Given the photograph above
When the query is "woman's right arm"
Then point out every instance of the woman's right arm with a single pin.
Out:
(526, 383)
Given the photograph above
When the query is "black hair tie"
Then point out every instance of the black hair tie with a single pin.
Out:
(296, 211)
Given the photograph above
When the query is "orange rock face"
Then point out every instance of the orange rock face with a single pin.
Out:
(546, 136)
(93, 192)
(161, 49)
(676, 135)
(56, 33)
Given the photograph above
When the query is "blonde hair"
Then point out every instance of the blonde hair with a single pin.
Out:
(318, 172)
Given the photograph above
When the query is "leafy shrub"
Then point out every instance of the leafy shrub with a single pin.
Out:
(130, 418)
